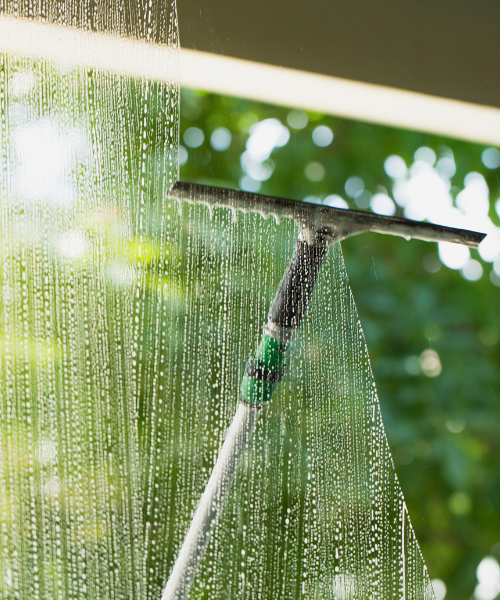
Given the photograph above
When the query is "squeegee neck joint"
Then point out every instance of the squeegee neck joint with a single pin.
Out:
(264, 372)
(314, 236)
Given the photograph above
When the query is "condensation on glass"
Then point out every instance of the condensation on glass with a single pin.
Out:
(126, 320)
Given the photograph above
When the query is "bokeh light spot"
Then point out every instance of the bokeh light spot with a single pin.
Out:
(395, 167)
(412, 365)
(45, 152)
(72, 245)
(363, 200)
(194, 137)
(265, 136)
(401, 192)
(335, 201)
(430, 363)
(453, 256)
(258, 170)
(446, 167)
(460, 504)
(439, 588)
(426, 155)
(248, 184)
(488, 576)
(473, 176)
(382, 205)
(311, 199)
(431, 263)
(183, 155)
(426, 195)
(489, 336)
(472, 270)
(220, 139)
(491, 158)
(495, 279)
(322, 136)
(297, 119)
(120, 274)
(455, 424)
(354, 187)
(314, 171)
(489, 248)
(474, 198)
(488, 570)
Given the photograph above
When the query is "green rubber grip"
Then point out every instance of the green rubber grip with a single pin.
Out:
(264, 372)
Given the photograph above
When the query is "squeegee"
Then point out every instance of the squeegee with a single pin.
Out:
(319, 227)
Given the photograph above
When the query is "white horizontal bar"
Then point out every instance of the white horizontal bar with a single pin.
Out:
(73, 47)
(256, 81)
(342, 97)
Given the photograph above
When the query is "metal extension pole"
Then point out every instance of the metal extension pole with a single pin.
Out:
(262, 376)
(206, 516)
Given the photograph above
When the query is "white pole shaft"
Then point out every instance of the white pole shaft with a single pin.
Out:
(211, 503)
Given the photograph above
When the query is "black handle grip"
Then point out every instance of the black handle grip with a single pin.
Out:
(296, 287)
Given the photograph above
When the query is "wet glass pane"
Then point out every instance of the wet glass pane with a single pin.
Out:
(127, 318)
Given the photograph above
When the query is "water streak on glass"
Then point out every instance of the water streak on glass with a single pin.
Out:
(85, 159)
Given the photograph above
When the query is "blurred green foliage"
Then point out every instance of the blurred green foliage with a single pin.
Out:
(444, 430)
